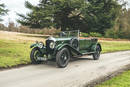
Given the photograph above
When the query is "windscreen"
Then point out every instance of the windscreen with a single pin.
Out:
(74, 33)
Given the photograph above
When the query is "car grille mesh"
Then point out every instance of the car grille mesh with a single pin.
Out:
(47, 45)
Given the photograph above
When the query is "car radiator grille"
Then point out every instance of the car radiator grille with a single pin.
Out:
(47, 46)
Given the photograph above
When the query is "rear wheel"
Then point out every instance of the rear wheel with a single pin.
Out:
(62, 58)
(35, 53)
(96, 55)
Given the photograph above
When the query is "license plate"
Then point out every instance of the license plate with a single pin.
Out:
(42, 59)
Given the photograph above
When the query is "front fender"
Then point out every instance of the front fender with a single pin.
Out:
(33, 45)
(42, 50)
(36, 45)
(61, 46)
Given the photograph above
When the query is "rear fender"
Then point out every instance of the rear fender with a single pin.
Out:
(93, 48)
(100, 46)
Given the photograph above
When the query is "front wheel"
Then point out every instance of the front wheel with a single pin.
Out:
(35, 53)
(62, 58)
(96, 55)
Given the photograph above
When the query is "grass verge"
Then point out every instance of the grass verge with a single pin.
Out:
(13, 53)
(113, 46)
(122, 80)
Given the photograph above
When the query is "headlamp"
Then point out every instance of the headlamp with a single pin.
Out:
(41, 45)
(52, 45)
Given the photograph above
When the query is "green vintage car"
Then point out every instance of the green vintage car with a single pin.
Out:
(63, 47)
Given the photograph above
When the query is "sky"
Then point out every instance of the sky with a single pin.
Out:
(14, 7)
(17, 6)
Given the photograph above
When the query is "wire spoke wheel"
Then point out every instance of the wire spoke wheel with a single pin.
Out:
(62, 58)
(35, 54)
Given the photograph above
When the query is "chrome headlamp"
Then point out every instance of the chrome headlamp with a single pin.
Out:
(52, 45)
(41, 45)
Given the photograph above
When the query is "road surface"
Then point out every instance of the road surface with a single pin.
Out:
(77, 74)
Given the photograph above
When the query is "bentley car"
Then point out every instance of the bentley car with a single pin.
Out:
(63, 47)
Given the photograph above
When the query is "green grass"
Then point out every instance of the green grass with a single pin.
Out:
(13, 53)
(113, 46)
(122, 80)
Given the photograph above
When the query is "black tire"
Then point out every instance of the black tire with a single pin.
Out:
(96, 55)
(33, 56)
(63, 58)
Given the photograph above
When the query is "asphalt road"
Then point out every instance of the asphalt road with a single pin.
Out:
(77, 74)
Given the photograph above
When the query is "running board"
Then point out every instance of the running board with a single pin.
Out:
(88, 53)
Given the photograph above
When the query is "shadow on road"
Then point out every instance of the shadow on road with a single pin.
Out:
(75, 59)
